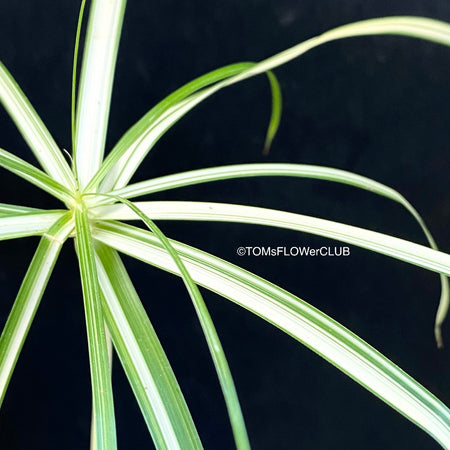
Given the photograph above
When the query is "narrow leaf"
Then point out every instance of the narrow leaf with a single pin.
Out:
(220, 173)
(33, 130)
(209, 330)
(275, 118)
(305, 323)
(74, 71)
(111, 165)
(129, 160)
(34, 176)
(127, 154)
(294, 170)
(27, 224)
(7, 209)
(104, 429)
(223, 212)
(410, 26)
(99, 59)
(29, 296)
(143, 359)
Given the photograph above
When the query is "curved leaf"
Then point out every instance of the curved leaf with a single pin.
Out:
(29, 296)
(211, 336)
(35, 176)
(416, 254)
(130, 158)
(127, 154)
(305, 323)
(33, 130)
(294, 170)
(143, 359)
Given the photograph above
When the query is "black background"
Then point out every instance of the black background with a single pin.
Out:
(374, 105)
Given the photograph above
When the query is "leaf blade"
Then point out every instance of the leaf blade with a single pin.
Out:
(275, 117)
(29, 296)
(214, 345)
(74, 72)
(27, 224)
(295, 170)
(94, 96)
(131, 149)
(143, 358)
(7, 209)
(33, 130)
(104, 430)
(224, 212)
(297, 318)
(33, 175)
(418, 27)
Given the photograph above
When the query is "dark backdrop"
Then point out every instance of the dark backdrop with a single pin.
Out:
(374, 105)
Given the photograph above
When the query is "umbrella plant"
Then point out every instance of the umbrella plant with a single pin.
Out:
(98, 198)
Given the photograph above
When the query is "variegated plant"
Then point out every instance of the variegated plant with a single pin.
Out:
(95, 194)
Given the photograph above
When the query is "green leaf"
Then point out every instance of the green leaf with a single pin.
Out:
(143, 359)
(221, 173)
(127, 161)
(127, 154)
(294, 170)
(131, 159)
(305, 323)
(97, 74)
(29, 296)
(209, 330)
(104, 428)
(14, 210)
(33, 130)
(275, 118)
(74, 71)
(26, 224)
(113, 164)
(442, 312)
(223, 212)
(410, 26)
(34, 176)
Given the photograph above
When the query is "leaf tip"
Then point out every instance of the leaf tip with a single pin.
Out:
(267, 146)
(438, 337)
